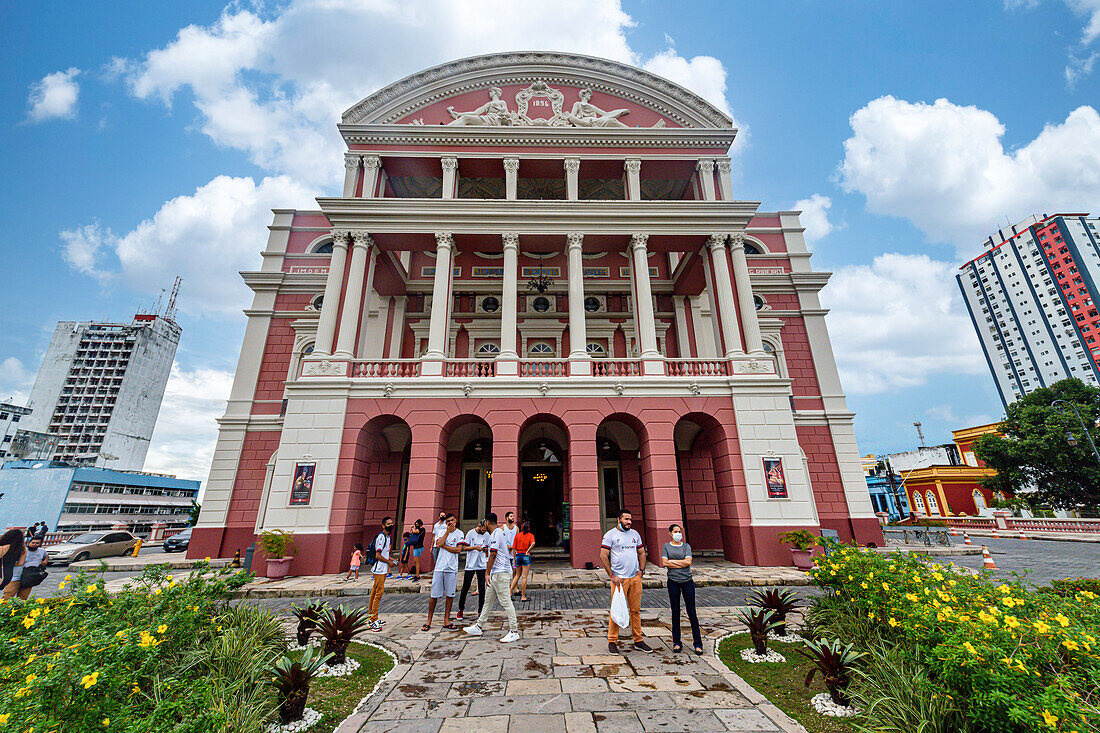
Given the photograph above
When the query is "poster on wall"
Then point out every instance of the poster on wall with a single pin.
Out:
(302, 487)
(775, 478)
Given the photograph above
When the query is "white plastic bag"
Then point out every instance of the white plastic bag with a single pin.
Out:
(620, 612)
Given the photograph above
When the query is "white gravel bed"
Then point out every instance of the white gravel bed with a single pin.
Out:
(310, 717)
(823, 703)
(789, 638)
(338, 670)
(750, 656)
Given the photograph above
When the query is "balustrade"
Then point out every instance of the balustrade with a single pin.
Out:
(697, 368)
(616, 368)
(543, 368)
(470, 368)
(388, 368)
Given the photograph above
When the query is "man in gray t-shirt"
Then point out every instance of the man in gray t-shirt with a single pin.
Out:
(676, 558)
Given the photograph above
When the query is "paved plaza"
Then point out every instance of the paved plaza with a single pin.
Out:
(559, 678)
(1042, 560)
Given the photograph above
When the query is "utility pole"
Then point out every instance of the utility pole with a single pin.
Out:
(892, 484)
(920, 434)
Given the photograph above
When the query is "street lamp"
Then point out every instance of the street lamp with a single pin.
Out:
(1060, 406)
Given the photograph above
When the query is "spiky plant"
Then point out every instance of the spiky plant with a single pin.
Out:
(338, 626)
(307, 620)
(759, 622)
(836, 662)
(290, 676)
(782, 601)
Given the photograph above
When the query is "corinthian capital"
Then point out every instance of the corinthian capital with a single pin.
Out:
(450, 165)
(351, 161)
(717, 241)
(361, 238)
(511, 240)
(444, 240)
(511, 165)
(737, 241)
(340, 237)
(705, 166)
(572, 165)
(632, 165)
(372, 162)
(724, 166)
(575, 240)
(638, 241)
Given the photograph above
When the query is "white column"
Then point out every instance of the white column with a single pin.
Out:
(643, 304)
(441, 306)
(746, 303)
(683, 339)
(725, 178)
(330, 304)
(450, 170)
(351, 173)
(353, 296)
(362, 349)
(511, 178)
(727, 307)
(572, 184)
(508, 360)
(705, 168)
(633, 168)
(579, 361)
(397, 335)
(372, 164)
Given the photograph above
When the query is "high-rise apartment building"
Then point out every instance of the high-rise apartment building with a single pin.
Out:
(100, 387)
(1032, 298)
(10, 416)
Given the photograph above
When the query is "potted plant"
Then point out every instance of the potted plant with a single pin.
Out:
(759, 622)
(278, 546)
(801, 542)
(836, 662)
(290, 676)
(782, 601)
(337, 626)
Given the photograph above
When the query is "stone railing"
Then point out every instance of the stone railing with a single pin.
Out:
(544, 368)
(696, 368)
(968, 522)
(616, 367)
(389, 368)
(469, 368)
(1004, 521)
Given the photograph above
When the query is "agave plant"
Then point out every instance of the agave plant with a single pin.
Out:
(307, 620)
(338, 626)
(782, 601)
(836, 662)
(759, 622)
(290, 676)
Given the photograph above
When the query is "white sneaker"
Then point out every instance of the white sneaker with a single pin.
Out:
(472, 630)
(509, 637)
(374, 626)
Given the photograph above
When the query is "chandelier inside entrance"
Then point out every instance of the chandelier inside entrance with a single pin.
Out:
(541, 282)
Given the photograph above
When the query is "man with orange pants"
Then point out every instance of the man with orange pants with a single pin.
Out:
(381, 568)
(623, 556)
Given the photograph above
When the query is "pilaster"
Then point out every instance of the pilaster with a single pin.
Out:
(511, 178)
(572, 173)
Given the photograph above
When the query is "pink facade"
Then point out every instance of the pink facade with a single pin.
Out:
(398, 356)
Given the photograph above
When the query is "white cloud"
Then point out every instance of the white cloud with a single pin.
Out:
(1090, 9)
(899, 322)
(186, 431)
(1079, 67)
(815, 217)
(15, 381)
(944, 167)
(54, 97)
(206, 237)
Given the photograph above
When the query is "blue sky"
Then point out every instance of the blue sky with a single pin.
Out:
(148, 140)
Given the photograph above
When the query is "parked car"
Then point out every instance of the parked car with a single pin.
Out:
(178, 542)
(92, 545)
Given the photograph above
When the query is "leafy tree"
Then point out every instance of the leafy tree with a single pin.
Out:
(1034, 452)
(194, 518)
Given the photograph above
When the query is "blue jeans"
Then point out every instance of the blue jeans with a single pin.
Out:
(675, 589)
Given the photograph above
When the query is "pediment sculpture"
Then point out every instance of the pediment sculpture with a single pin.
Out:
(495, 112)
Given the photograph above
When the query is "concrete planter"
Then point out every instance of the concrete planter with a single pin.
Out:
(277, 569)
(803, 559)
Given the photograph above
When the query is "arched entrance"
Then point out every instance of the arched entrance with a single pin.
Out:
(468, 484)
(618, 451)
(544, 481)
(375, 487)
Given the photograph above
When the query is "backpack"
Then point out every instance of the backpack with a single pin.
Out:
(371, 554)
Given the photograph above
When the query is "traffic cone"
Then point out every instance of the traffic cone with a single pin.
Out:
(951, 531)
(236, 560)
(966, 538)
(995, 530)
(1022, 535)
(987, 560)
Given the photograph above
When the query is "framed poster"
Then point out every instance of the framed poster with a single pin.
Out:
(303, 483)
(775, 478)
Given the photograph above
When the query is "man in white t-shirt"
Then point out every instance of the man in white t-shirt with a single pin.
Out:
(381, 568)
(510, 530)
(476, 541)
(623, 556)
(445, 572)
(500, 577)
(438, 530)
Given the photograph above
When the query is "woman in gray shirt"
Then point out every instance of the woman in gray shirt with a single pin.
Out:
(676, 557)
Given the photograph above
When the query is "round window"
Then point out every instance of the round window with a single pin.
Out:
(758, 302)
(318, 302)
(540, 304)
(591, 304)
(490, 304)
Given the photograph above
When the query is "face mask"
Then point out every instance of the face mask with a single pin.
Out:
(677, 536)
(621, 527)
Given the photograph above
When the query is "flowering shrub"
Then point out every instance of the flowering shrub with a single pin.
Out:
(1011, 658)
(88, 661)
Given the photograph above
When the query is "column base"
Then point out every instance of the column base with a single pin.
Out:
(507, 365)
(653, 367)
(580, 366)
(431, 367)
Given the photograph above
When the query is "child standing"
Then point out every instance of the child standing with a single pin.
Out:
(356, 560)
(406, 554)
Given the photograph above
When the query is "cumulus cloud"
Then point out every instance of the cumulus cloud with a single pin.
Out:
(944, 167)
(815, 217)
(54, 96)
(183, 440)
(1090, 11)
(16, 381)
(207, 237)
(898, 322)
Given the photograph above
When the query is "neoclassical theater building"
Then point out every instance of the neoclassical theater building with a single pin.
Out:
(538, 292)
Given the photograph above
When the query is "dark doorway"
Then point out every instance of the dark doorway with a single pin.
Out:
(542, 502)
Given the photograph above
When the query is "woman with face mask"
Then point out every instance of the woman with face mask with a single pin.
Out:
(676, 558)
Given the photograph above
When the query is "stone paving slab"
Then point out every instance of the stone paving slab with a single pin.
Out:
(174, 560)
(446, 681)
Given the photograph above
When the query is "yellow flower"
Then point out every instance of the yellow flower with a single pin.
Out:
(864, 585)
(911, 597)
(1041, 627)
(1011, 622)
(1004, 588)
(851, 577)
(120, 634)
(39, 601)
(135, 689)
(61, 585)
(156, 592)
(4, 718)
(1070, 644)
(28, 622)
(162, 628)
(106, 721)
(1088, 594)
(937, 576)
(969, 647)
(68, 577)
(1062, 620)
(89, 680)
(893, 621)
(31, 678)
(1049, 719)
(91, 588)
(885, 586)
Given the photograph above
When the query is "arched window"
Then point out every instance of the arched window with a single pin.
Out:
(541, 348)
(307, 350)
(979, 500)
(317, 302)
(596, 350)
(487, 350)
(541, 451)
(933, 505)
(478, 451)
(752, 249)
(918, 502)
(324, 249)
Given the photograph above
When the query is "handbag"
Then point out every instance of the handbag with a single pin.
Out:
(32, 576)
(620, 612)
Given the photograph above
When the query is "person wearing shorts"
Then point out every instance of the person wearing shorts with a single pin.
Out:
(521, 546)
(445, 572)
(416, 539)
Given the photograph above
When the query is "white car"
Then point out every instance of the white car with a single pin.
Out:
(92, 545)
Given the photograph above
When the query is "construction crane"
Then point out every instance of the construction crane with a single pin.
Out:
(170, 309)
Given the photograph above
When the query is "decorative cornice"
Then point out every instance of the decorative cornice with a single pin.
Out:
(557, 137)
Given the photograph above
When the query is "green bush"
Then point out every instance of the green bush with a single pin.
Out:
(1069, 587)
(1013, 659)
